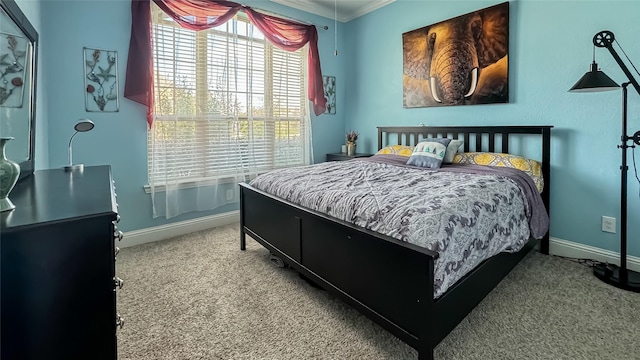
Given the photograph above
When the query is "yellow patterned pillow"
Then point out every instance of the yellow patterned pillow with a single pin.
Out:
(531, 167)
(401, 150)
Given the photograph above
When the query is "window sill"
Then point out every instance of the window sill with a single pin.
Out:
(197, 183)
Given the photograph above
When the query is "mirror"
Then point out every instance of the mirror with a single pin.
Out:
(18, 53)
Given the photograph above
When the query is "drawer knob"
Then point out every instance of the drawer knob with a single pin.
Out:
(118, 235)
(119, 321)
(118, 283)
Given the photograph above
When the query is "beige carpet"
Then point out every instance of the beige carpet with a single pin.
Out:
(199, 297)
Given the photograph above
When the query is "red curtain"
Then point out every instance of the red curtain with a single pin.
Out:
(204, 14)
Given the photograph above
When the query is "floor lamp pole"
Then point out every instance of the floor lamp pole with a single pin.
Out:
(624, 169)
(620, 276)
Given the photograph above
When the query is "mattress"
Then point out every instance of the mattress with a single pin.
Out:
(465, 213)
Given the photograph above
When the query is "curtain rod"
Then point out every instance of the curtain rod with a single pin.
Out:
(273, 13)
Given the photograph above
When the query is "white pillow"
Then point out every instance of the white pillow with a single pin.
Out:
(452, 149)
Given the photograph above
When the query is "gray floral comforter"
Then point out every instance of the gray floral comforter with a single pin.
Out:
(466, 213)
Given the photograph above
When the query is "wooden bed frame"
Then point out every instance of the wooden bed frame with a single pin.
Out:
(387, 280)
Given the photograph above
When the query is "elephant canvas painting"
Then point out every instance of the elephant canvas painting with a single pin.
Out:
(460, 61)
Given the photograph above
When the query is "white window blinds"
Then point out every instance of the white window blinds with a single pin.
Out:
(228, 104)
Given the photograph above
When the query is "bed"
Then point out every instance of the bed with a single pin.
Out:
(389, 280)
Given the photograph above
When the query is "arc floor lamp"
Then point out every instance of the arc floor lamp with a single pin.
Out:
(596, 80)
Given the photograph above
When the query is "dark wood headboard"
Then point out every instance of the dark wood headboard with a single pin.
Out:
(492, 135)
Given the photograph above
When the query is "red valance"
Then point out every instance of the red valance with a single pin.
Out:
(204, 14)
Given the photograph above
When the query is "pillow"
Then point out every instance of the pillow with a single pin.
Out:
(401, 150)
(531, 167)
(429, 153)
(452, 149)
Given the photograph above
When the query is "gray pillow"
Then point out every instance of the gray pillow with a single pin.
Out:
(429, 153)
(452, 149)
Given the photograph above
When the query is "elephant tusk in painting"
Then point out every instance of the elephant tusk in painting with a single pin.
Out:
(460, 61)
(434, 91)
(474, 82)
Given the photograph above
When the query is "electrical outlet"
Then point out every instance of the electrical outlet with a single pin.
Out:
(609, 224)
(230, 197)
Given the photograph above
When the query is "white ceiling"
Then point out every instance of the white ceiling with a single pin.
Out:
(346, 9)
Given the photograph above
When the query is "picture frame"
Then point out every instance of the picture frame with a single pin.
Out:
(329, 86)
(101, 80)
(460, 61)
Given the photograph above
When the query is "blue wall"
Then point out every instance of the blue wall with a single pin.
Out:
(120, 138)
(550, 48)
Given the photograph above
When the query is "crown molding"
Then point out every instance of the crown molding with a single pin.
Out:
(369, 7)
(317, 8)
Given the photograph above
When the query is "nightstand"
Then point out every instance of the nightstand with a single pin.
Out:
(345, 157)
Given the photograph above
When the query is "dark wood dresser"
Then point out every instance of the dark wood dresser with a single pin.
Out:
(58, 278)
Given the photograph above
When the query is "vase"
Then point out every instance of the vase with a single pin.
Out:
(351, 149)
(9, 172)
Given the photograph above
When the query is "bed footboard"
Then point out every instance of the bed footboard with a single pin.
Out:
(374, 273)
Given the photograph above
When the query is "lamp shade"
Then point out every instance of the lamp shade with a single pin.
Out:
(594, 80)
(84, 125)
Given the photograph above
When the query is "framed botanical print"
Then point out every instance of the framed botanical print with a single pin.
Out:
(101, 80)
(329, 85)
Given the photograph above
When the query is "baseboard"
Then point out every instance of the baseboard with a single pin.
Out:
(571, 249)
(162, 232)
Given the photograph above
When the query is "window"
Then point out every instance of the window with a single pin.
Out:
(228, 104)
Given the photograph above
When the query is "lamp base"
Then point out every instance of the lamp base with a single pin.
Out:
(611, 275)
(76, 167)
